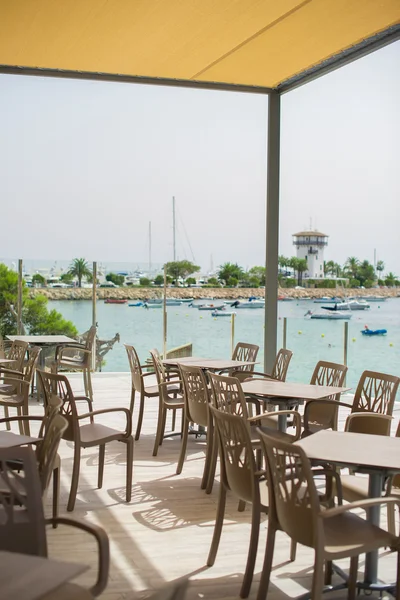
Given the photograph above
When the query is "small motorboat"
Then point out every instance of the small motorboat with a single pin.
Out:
(332, 316)
(139, 303)
(211, 306)
(368, 331)
(223, 313)
(349, 305)
(115, 301)
(248, 304)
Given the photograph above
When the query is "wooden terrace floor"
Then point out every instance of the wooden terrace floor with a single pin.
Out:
(164, 533)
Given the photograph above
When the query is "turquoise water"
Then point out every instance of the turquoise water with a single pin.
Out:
(310, 340)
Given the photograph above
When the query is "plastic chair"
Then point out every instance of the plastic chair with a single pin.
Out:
(197, 410)
(77, 357)
(14, 392)
(375, 393)
(239, 474)
(139, 385)
(170, 398)
(245, 352)
(295, 508)
(279, 368)
(22, 522)
(88, 435)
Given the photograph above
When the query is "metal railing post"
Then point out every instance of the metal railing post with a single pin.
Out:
(19, 298)
(94, 314)
(284, 341)
(345, 344)
(165, 314)
(233, 333)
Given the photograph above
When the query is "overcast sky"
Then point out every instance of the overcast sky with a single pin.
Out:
(85, 166)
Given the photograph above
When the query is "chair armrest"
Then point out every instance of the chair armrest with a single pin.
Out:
(81, 349)
(21, 418)
(330, 472)
(277, 413)
(168, 384)
(11, 381)
(104, 411)
(103, 546)
(363, 504)
(6, 371)
(259, 375)
(61, 346)
(309, 405)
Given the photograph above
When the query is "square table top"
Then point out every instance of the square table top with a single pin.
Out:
(376, 452)
(213, 364)
(8, 439)
(26, 577)
(283, 389)
(41, 339)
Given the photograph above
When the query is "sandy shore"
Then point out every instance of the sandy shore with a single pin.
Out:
(196, 293)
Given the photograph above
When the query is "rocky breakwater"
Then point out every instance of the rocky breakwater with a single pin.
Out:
(127, 293)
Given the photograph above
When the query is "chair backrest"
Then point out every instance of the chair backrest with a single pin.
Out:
(90, 338)
(237, 458)
(135, 367)
(376, 392)
(196, 394)
(56, 387)
(327, 374)
(281, 364)
(46, 451)
(159, 368)
(227, 395)
(2, 347)
(17, 354)
(366, 422)
(22, 523)
(293, 498)
(244, 352)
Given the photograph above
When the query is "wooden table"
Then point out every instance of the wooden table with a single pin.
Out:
(212, 364)
(25, 577)
(10, 440)
(287, 395)
(376, 455)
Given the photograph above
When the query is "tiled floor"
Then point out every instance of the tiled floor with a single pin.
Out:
(164, 533)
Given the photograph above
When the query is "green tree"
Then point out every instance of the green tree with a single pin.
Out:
(115, 278)
(391, 279)
(351, 266)
(229, 271)
(366, 274)
(191, 281)
(38, 278)
(302, 267)
(145, 281)
(79, 268)
(159, 280)
(257, 273)
(66, 278)
(35, 316)
(181, 269)
(213, 281)
(380, 266)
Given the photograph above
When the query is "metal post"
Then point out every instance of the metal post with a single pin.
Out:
(19, 298)
(233, 333)
(94, 312)
(165, 314)
(173, 229)
(272, 231)
(345, 344)
(149, 247)
(284, 341)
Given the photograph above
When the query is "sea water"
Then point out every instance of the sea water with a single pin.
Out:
(310, 340)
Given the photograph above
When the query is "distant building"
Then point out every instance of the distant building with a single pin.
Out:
(310, 245)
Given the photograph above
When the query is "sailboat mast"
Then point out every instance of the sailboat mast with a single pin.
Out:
(173, 227)
(149, 246)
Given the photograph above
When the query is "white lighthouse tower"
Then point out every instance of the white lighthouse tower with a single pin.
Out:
(310, 245)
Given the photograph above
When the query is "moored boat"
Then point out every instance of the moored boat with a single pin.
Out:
(349, 305)
(115, 301)
(367, 331)
(248, 304)
(211, 306)
(332, 316)
(223, 313)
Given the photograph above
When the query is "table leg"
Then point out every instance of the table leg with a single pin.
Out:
(375, 486)
(282, 422)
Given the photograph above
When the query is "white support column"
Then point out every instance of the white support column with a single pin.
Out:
(272, 230)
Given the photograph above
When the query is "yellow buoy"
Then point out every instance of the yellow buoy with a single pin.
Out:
(300, 332)
(353, 339)
(322, 335)
(391, 345)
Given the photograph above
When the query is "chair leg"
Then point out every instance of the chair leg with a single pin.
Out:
(293, 548)
(241, 505)
(161, 418)
(173, 420)
(129, 468)
(182, 454)
(102, 451)
(56, 492)
(352, 582)
(391, 519)
(163, 425)
(75, 477)
(25, 412)
(267, 565)
(7, 416)
(251, 557)
(318, 576)
(207, 463)
(213, 464)
(85, 383)
(89, 384)
(21, 425)
(219, 521)
(140, 417)
(328, 572)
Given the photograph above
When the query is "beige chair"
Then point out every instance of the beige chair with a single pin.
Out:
(375, 393)
(196, 395)
(355, 487)
(279, 368)
(88, 435)
(239, 475)
(14, 392)
(22, 522)
(333, 533)
(77, 357)
(323, 414)
(245, 352)
(170, 399)
(139, 385)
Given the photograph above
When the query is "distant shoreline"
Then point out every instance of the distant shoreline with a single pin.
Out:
(197, 293)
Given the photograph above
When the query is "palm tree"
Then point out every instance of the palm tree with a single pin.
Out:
(79, 268)
(380, 266)
(391, 279)
(351, 266)
(302, 267)
(230, 271)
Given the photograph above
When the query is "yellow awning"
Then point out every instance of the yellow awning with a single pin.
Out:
(244, 42)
